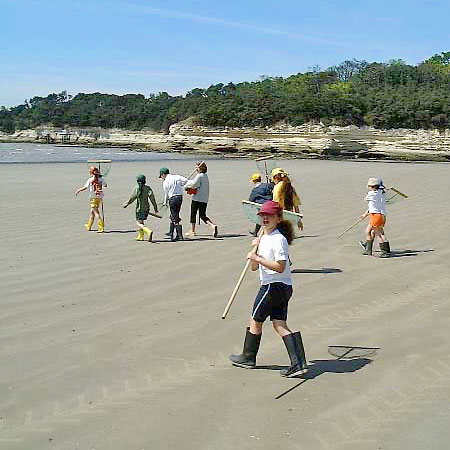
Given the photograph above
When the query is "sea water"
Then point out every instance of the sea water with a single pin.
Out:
(51, 153)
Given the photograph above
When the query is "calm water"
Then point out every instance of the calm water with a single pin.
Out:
(50, 153)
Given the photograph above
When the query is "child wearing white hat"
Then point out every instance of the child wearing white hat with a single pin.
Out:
(377, 211)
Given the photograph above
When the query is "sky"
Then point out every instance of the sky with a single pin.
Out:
(146, 46)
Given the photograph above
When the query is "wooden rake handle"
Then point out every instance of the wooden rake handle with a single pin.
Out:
(241, 278)
(351, 226)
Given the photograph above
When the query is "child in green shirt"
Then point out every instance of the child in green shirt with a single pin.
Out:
(142, 194)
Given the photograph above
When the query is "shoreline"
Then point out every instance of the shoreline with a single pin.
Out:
(303, 142)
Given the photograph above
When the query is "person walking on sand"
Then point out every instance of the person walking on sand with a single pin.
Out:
(274, 294)
(284, 193)
(261, 192)
(95, 185)
(142, 193)
(200, 188)
(173, 197)
(377, 211)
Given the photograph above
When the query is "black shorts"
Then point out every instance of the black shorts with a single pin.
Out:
(201, 208)
(272, 300)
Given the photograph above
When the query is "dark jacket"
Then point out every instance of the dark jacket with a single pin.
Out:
(261, 193)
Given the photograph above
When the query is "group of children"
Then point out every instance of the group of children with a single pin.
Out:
(272, 261)
(272, 256)
(142, 194)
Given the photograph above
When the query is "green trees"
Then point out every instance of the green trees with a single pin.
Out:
(383, 95)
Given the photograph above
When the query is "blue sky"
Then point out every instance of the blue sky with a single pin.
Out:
(138, 46)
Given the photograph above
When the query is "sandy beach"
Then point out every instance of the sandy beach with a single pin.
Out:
(112, 344)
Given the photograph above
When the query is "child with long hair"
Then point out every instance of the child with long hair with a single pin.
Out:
(285, 194)
(95, 184)
(272, 300)
(142, 193)
(199, 186)
(377, 211)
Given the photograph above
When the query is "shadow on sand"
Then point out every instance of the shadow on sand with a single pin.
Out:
(318, 367)
(198, 238)
(402, 253)
(322, 270)
(120, 231)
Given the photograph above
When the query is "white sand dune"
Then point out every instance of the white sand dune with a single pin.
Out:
(108, 343)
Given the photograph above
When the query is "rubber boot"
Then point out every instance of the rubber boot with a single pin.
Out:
(294, 346)
(179, 231)
(368, 250)
(149, 232)
(247, 358)
(101, 226)
(140, 235)
(88, 224)
(385, 250)
(171, 230)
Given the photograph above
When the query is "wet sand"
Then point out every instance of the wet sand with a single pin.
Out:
(112, 344)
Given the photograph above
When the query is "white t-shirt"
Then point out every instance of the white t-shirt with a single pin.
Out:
(274, 246)
(93, 192)
(173, 185)
(377, 202)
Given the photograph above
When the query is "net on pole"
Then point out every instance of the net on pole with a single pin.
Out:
(103, 165)
(394, 196)
(351, 352)
(251, 210)
(265, 166)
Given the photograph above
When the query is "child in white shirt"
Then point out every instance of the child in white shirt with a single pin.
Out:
(272, 261)
(95, 185)
(377, 211)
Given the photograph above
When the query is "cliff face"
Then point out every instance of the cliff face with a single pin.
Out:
(315, 141)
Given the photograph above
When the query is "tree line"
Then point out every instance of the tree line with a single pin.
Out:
(384, 95)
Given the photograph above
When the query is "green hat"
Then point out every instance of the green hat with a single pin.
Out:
(141, 178)
(163, 171)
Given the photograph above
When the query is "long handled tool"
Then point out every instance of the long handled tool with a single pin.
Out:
(352, 226)
(266, 169)
(241, 278)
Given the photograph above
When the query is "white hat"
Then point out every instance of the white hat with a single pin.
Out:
(375, 182)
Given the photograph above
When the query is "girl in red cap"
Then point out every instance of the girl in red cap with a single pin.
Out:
(95, 184)
(272, 261)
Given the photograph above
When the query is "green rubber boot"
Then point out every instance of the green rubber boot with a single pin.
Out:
(296, 351)
(368, 248)
(247, 358)
(385, 250)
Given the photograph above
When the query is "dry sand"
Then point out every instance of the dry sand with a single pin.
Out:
(112, 344)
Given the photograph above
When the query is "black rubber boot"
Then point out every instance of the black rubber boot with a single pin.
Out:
(247, 358)
(385, 250)
(368, 248)
(294, 346)
(171, 230)
(179, 231)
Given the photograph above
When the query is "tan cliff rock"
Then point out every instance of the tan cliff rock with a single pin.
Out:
(309, 140)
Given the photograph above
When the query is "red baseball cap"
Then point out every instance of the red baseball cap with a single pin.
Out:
(271, 208)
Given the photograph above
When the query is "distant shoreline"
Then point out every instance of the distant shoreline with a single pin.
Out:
(305, 142)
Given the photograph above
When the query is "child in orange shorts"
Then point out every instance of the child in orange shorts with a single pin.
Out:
(377, 211)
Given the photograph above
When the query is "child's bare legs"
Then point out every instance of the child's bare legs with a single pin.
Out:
(369, 232)
(379, 232)
(95, 213)
(140, 224)
(255, 327)
(281, 327)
